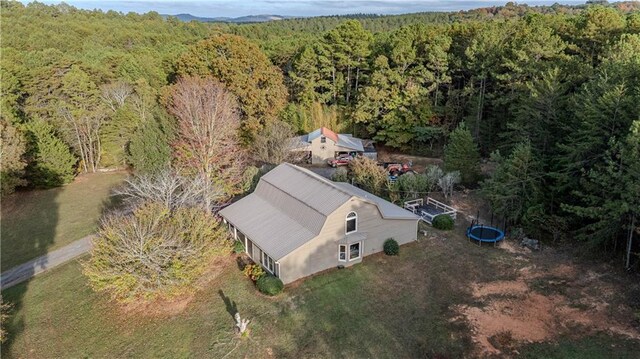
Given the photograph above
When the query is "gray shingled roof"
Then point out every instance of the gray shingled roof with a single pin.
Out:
(291, 204)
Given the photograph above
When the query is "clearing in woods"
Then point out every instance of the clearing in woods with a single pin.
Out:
(441, 297)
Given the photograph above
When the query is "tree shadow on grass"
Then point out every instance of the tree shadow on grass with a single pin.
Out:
(28, 225)
(114, 203)
(231, 306)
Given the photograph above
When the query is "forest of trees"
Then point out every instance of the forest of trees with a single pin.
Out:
(551, 95)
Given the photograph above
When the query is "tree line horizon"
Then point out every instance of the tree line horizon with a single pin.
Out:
(551, 95)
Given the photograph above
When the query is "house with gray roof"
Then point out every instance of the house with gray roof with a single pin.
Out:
(323, 145)
(297, 223)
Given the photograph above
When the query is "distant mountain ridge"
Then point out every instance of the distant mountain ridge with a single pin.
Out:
(237, 20)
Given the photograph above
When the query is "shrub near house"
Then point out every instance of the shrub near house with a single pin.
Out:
(391, 247)
(269, 285)
(443, 222)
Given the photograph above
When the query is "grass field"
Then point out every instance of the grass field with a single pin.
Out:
(363, 311)
(403, 307)
(36, 222)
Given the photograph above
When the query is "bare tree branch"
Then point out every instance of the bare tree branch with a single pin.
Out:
(277, 144)
(171, 190)
(447, 182)
(115, 94)
(154, 251)
(208, 127)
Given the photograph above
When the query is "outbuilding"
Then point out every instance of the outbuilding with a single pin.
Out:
(297, 223)
(323, 145)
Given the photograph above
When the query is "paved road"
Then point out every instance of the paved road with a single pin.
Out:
(19, 274)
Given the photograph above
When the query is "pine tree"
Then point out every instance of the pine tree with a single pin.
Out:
(539, 114)
(149, 150)
(462, 154)
(349, 46)
(514, 187)
(51, 162)
(608, 199)
(12, 149)
(305, 75)
(603, 109)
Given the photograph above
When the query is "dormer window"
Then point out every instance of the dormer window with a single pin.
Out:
(323, 139)
(352, 222)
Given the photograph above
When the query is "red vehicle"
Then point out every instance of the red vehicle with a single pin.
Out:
(396, 169)
(341, 160)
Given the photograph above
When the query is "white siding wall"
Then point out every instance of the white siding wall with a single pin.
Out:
(320, 155)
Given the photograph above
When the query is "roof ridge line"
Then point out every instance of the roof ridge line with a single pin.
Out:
(289, 195)
(317, 176)
(369, 200)
(294, 197)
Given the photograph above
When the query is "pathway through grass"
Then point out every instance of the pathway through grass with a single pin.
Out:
(36, 222)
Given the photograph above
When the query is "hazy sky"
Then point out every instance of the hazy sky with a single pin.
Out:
(213, 8)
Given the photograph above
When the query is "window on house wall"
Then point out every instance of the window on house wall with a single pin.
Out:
(351, 225)
(268, 263)
(349, 252)
(323, 139)
(354, 251)
(250, 248)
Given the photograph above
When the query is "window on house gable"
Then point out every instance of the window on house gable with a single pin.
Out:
(323, 139)
(351, 225)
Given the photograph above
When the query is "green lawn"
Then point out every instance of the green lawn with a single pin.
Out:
(36, 222)
(590, 347)
(400, 307)
(363, 311)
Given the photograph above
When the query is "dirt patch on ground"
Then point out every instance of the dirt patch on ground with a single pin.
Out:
(168, 307)
(159, 308)
(499, 288)
(539, 305)
(527, 319)
(540, 295)
(514, 248)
